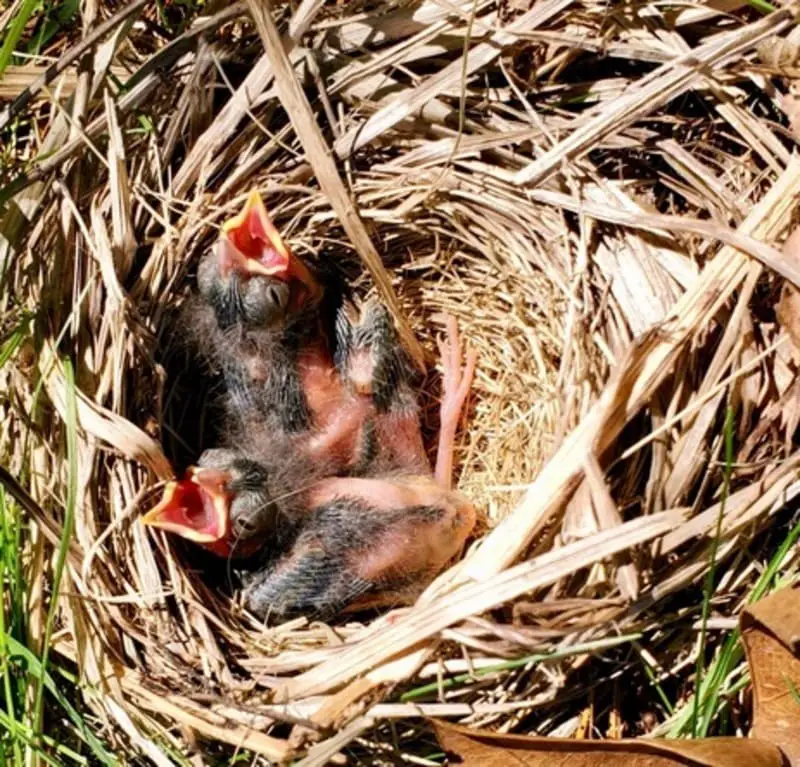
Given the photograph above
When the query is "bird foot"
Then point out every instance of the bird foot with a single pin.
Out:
(456, 383)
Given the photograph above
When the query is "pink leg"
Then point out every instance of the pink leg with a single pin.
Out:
(456, 384)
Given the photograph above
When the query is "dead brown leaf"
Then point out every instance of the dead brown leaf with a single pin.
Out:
(476, 748)
(771, 634)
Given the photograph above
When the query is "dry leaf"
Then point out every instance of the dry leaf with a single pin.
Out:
(771, 634)
(475, 748)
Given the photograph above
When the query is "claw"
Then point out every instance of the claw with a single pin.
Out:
(196, 507)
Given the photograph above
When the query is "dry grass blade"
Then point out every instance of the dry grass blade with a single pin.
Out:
(650, 93)
(69, 58)
(274, 749)
(449, 77)
(656, 224)
(647, 364)
(17, 79)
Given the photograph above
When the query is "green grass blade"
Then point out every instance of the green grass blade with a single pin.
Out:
(25, 735)
(56, 18)
(732, 652)
(708, 586)
(651, 675)
(66, 533)
(576, 649)
(37, 668)
(729, 657)
(762, 6)
(45, 680)
(768, 578)
(15, 30)
(9, 346)
(7, 552)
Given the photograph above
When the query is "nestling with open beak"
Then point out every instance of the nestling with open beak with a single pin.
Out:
(250, 247)
(206, 504)
(314, 394)
(297, 359)
(269, 323)
(337, 544)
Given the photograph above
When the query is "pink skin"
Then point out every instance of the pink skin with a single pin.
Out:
(341, 414)
(381, 494)
(456, 383)
(409, 548)
(338, 414)
(401, 440)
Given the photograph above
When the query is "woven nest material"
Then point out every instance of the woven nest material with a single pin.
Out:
(598, 211)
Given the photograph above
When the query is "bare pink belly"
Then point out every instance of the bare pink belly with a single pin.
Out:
(338, 415)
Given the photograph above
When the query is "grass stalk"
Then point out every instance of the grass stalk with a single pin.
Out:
(66, 535)
(8, 539)
(708, 587)
(14, 33)
(566, 652)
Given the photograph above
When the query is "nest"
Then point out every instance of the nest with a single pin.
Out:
(590, 196)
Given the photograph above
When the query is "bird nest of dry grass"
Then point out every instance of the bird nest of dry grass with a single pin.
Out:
(594, 192)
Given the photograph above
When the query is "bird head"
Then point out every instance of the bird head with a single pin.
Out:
(250, 246)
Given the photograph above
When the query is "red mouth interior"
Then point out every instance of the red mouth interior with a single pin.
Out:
(251, 239)
(193, 508)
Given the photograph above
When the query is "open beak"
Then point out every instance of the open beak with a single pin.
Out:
(250, 244)
(196, 507)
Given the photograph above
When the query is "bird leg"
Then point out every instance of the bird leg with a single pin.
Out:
(456, 382)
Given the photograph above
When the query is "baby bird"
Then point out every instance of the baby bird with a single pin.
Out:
(303, 373)
(270, 324)
(336, 544)
(377, 540)
(328, 483)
